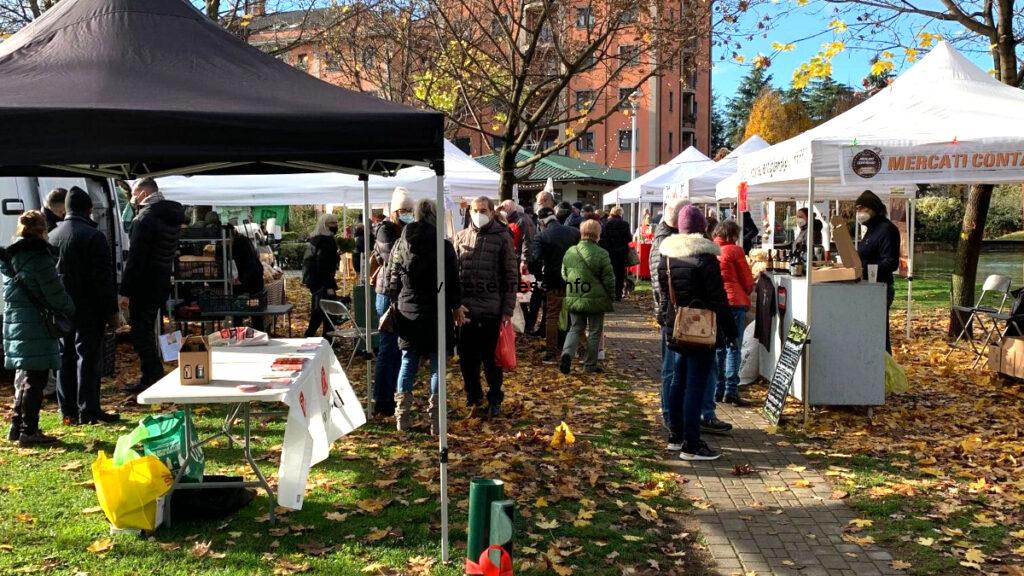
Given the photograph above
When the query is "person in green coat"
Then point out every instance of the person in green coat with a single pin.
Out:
(590, 283)
(28, 345)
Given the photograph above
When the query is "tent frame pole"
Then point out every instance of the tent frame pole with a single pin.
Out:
(442, 360)
(809, 269)
(911, 201)
(367, 311)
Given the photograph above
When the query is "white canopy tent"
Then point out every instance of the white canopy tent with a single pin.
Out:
(699, 188)
(633, 191)
(942, 121)
(464, 178)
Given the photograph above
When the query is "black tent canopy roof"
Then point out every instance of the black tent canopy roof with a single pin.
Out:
(133, 87)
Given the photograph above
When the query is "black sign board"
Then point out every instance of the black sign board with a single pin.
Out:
(782, 378)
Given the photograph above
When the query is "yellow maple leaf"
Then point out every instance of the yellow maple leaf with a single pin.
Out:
(631, 538)
(901, 565)
(1018, 534)
(837, 25)
(541, 503)
(646, 512)
(974, 555)
(101, 545)
(561, 570)
(780, 47)
(547, 525)
(562, 437)
(911, 55)
(970, 444)
(861, 523)
(925, 541)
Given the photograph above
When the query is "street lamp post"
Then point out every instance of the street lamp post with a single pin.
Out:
(634, 104)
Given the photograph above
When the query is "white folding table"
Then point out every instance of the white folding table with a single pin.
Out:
(322, 406)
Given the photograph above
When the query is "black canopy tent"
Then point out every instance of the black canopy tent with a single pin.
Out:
(142, 87)
(131, 88)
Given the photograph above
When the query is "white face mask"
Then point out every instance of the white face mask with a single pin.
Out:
(480, 220)
(801, 221)
(863, 217)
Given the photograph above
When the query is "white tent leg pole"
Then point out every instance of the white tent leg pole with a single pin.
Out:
(809, 255)
(344, 226)
(910, 262)
(367, 310)
(442, 361)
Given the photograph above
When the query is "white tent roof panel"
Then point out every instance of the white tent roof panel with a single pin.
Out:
(633, 191)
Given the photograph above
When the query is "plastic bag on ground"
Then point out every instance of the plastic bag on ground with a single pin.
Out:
(128, 492)
(505, 353)
(750, 359)
(895, 377)
(163, 436)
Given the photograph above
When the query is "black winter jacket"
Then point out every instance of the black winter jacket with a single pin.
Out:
(488, 270)
(549, 248)
(85, 269)
(881, 245)
(413, 287)
(320, 264)
(385, 235)
(154, 245)
(696, 279)
(615, 238)
(660, 233)
(247, 261)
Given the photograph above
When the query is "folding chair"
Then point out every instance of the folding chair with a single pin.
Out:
(996, 284)
(337, 315)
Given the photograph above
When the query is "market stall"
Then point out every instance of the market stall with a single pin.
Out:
(942, 121)
(699, 187)
(107, 88)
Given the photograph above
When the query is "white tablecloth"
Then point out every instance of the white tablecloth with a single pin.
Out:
(322, 404)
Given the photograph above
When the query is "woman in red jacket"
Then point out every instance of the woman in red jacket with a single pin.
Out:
(739, 283)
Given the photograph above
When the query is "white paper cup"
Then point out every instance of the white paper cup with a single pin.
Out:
(872, 272)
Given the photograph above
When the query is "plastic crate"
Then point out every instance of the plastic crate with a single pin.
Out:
(209, 302)
(199, 270)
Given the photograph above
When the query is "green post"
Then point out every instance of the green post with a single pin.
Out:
(481, 494)
(502, 523)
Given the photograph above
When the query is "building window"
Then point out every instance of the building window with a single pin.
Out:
(629, 54)
(369, 57)
(584, 17)
(545, 35)
(625, 139)
(689, 138)
(584, 100)
(669, 142)
(624, 98)
(629, 16)
(497, 142)
(302, 61)
(463, 143)
(588, 61)
(332, 62)
(585, 143)
(671, 98)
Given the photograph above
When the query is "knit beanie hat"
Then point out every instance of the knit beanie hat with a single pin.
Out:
(400, 199)
(869, 200)
(691, 220)
(77, 201)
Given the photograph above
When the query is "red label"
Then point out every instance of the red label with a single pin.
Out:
(742, 197)
(323, 381)
(302, 403)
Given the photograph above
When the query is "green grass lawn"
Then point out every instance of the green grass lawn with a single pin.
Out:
(575, 507)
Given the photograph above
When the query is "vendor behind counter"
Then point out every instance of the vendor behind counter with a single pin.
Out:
(880, 246)
(800, 244)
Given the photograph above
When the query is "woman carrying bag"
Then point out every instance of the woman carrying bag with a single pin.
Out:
(690, 271)
(36, 304)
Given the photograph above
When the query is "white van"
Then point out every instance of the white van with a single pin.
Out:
(19, 194)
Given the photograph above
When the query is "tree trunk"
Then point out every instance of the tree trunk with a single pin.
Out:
(965, 267)
(507, 170)
(213, 10)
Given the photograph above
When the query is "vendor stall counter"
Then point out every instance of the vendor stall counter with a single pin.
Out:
(846, 344)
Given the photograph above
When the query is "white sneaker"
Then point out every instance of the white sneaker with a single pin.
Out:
(674, 446)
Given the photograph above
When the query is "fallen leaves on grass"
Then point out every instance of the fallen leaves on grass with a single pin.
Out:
(100, 546)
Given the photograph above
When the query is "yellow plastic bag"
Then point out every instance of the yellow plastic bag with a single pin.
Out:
(128, 492)
(895, 377)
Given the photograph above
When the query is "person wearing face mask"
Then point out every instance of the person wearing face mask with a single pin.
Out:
(146, 280)
(880, 246)
(319, 270)
(800, 244)
(389, 357)
(489, 276)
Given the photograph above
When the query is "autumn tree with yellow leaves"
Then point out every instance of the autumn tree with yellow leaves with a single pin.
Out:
(776, 118)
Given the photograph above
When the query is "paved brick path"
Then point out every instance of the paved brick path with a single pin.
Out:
(781, 519)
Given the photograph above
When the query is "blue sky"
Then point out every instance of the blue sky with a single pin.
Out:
(791, 22)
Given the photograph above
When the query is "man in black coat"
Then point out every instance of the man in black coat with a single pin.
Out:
(85, 269)
(615, 238)
(549, 248)
(880, 247)
(54, 209)
(146, 281)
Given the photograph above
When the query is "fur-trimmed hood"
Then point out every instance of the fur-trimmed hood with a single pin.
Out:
(688, 245)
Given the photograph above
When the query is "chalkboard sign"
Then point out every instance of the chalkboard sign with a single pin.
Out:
(782, 378)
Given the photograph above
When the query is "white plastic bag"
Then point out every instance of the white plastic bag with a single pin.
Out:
(521, 296)
(749, 357)
(518, 320)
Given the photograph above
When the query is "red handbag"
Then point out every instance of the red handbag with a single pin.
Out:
(484, 567)
(505, 353)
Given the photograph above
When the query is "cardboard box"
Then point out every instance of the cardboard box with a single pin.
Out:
(195, 362)
(851, 266)
(1008, 358)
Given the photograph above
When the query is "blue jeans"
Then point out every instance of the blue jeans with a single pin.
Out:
(707, 412)
(389, 358)
(729, 358)
(410, 364)
(692, 369)
(668, 369)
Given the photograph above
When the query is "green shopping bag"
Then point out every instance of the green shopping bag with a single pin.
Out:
(163, 436)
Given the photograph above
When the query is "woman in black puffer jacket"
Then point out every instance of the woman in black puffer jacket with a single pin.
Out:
(689, 266)
(320, 269)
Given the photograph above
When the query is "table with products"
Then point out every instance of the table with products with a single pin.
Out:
(846, 342)
(303, 374)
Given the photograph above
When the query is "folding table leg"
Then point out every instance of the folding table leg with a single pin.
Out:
(252, 463)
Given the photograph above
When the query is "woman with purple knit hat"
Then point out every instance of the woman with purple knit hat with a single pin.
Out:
(689, 267)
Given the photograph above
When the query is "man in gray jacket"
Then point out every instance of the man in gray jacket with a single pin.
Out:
(489, 275)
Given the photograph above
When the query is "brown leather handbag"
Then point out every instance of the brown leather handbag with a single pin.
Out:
(694, 327)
